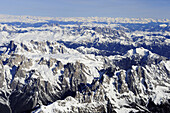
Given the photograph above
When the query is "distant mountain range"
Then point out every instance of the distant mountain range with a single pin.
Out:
(77, 64)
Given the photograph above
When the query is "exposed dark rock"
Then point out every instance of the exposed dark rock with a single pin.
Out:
(162, 108)
(11, 47)
(21, 102)
(122, 77)
(5, 108)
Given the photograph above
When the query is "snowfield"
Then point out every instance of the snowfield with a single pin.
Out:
(94, 64)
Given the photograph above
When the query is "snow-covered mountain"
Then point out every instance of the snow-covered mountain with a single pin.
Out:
(50, 65)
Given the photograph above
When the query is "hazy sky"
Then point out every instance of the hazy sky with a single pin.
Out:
(85, 8)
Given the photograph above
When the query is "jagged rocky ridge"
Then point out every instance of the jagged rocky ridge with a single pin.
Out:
(133, 78)
(83, 69)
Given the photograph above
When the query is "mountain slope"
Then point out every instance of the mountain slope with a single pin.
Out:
(84, 66)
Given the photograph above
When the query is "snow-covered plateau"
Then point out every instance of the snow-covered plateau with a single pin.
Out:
(84, 65)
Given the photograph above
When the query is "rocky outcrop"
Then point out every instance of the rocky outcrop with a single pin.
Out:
(55, 74)
(4, 102)
(28, 88)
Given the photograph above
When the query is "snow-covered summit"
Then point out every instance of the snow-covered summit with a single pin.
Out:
(82, 64)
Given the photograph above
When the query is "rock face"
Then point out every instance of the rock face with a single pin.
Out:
(137, 75)
(95, 69)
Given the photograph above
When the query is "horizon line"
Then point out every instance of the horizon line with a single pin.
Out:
(86, 17)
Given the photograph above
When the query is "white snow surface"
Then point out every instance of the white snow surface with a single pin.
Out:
(93, 63)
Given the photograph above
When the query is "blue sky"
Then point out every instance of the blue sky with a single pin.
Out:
(87, 8)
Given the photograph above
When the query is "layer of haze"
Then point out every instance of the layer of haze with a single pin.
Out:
(87, 8)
